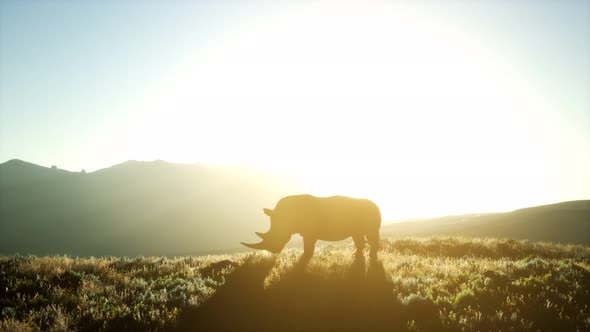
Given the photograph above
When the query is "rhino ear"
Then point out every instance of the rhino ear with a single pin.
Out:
(268, 212)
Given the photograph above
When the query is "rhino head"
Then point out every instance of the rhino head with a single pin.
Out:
(281, 229)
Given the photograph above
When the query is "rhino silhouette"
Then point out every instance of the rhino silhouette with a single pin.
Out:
(332, 218)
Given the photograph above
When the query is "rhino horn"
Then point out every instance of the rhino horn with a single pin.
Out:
(262, 235)
(259, 246)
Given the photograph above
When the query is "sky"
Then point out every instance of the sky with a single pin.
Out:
(427, 107)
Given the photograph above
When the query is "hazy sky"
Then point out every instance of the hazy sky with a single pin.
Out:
(428, 107)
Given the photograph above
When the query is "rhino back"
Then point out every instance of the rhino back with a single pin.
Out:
(335, 217)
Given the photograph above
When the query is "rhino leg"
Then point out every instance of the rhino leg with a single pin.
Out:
(308, 247)
(373, 238)
(359, 242)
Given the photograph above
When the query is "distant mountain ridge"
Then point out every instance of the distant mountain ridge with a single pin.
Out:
(133, 208)
(565, 222)
(160, 208)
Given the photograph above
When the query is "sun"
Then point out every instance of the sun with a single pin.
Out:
(382, 101)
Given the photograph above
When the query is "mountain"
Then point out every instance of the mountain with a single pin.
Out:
(134, 208)
(566, 222)
(161, 208)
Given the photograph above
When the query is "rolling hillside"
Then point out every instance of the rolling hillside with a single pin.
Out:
(159, 208)
(567, 222)
(134, 208)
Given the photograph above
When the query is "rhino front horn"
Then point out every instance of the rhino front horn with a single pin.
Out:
(259, 246)
(261, 235)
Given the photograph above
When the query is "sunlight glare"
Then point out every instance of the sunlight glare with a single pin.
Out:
(383, 102)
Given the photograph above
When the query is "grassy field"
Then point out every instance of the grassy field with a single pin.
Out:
(416, 284)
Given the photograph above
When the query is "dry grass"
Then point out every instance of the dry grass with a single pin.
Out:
(417, 284)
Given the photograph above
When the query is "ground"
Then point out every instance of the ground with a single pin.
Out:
(416, 284)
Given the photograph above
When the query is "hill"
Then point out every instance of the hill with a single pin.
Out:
(566, 222)
(159, 208)
(416, 284)
(134, 208)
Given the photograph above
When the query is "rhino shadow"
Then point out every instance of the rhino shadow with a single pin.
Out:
(361, 299)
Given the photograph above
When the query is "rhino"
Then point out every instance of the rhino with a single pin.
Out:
(332, 218)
